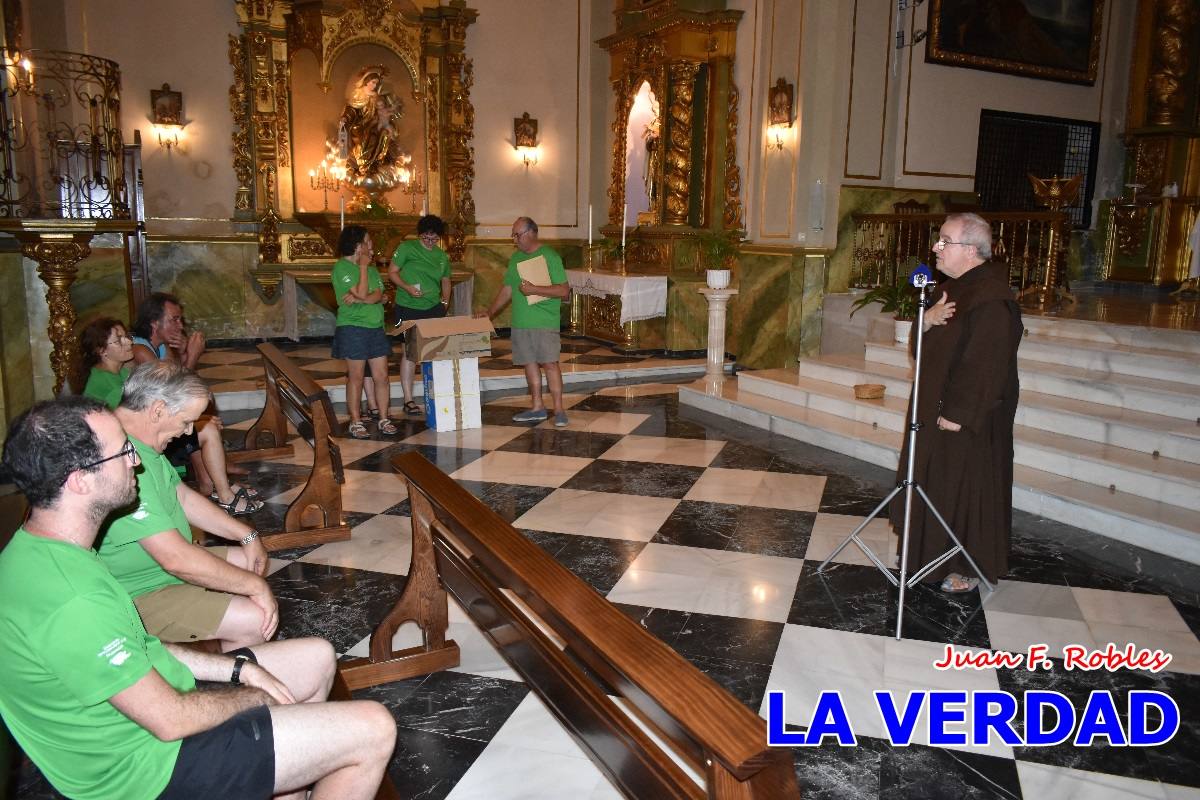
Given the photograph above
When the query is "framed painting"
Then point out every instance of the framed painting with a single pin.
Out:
(1054, 40)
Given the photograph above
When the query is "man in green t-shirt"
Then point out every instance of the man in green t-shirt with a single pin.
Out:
(536, 317)
(107, 711)
(421, 271)
(183, 592)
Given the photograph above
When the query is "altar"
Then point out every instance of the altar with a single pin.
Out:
(629, 311)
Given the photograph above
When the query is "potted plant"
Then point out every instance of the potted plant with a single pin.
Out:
(898, 299)
(718, 251)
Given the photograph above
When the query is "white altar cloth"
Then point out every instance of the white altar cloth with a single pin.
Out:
(642, 296)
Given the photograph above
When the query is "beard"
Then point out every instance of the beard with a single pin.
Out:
(116, 496)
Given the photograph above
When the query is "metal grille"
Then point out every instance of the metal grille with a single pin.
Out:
(1013, 145)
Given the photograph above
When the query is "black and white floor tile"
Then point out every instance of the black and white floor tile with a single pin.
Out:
(713, 548)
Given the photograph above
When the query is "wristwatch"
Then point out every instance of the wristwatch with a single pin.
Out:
(249, 537)
(238, 661)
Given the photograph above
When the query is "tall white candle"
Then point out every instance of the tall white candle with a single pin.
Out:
(624, 218)
(589, 224)
(342, 208)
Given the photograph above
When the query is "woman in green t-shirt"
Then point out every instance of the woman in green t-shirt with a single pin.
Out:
(106, 353)
(421, 271)
(359, 337)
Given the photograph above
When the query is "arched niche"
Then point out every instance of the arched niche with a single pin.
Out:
(643, 155)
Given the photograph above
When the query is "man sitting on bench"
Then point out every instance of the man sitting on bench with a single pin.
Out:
(104, 709)
(184, 593)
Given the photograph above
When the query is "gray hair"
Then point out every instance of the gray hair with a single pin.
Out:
(976, 231)
(162, 380)
(529, 223)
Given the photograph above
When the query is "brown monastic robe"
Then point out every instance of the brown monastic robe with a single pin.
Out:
(968, 376)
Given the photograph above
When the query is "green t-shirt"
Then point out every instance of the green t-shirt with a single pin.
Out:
(426, 268)
(345, 278)
(106, 386)
(73, 639)
(157, 510)
(547, 313)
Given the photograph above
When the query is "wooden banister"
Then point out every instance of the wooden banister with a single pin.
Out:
(575, 649)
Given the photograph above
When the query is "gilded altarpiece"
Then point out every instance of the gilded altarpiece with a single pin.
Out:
(1147, 231)
(300, 68)
(684, 50)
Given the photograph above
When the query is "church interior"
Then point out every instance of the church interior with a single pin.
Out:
(738, 190)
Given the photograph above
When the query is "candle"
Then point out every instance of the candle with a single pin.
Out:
(342, 207)
(589, 224)
(624, 217)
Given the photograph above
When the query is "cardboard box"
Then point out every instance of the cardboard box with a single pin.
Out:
(452, 394)
(447, 338)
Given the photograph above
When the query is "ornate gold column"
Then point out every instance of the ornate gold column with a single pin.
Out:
(679, 140)
(57, 255)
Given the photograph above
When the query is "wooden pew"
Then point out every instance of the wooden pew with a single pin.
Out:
(575, 649)
(315, 516)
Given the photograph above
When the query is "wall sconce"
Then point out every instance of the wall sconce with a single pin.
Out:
(525, 130)
(166, 115)
(779, 113)
(18, 74)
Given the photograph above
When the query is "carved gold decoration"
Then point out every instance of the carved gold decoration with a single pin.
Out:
(733, 176)
(243, 164)
(647, 254)
(1054, 193)
(300, 247)
(432, 111)
(1172, 35)
(283, 148)
(57, 257)
(616, 186)
(460, 156)
(269, 249)
(604, 317)
(1130, 228)
(1150, 164)
(679, 141)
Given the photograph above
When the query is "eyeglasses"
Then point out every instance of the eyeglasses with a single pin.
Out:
(940, 244)
(519, 234)
(129, 451)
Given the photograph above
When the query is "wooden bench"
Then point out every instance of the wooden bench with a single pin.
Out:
(575, 649)
(315, 516)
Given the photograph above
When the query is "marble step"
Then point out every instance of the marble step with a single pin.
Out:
(1099, 463)
(1121, 515)
(1107, 333)
(1150, 395)
(1101, 359)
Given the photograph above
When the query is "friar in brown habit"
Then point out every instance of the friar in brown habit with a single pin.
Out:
(968, 399)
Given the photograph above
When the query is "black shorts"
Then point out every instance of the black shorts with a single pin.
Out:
(180, 449)
(235, 760)
(405, 314)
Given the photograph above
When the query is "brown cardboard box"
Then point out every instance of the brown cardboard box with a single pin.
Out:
(447, 338)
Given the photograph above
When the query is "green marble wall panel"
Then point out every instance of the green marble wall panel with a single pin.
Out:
(16, 358)
(212, 279)
(687, 315)
(100, 288)
(808, 305)
(37, 319)
(488, 260)
(759, 313)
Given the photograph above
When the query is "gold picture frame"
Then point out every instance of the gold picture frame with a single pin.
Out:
(166, 106)
(525, 129)
(779, 103)
(1065, 49)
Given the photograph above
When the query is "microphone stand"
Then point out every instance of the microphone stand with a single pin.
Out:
(909, 485)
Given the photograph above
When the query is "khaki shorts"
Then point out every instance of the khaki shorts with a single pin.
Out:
(535, 346)
(183, 612)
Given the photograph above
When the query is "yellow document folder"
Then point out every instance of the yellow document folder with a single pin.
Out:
(536, 272)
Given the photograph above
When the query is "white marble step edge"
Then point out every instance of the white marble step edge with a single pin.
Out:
(1178, 400)
(1169, 437)
(1119, 515)
(254, 398)
(1113, 333)
(1162, 479)
(1100, 360)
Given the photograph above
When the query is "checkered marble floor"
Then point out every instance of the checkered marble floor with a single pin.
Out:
(708, 533)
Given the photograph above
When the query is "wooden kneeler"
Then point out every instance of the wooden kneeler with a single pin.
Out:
(315, 516)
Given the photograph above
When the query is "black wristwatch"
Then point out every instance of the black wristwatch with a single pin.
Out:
(238, 661)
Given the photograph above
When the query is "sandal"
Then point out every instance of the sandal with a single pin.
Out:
(957, 584)
(371, 413)
(358, 431)
(247, 505)
(413, 410)
(386, 426)
(251, 492)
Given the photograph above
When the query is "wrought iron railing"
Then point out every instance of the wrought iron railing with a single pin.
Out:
(888, 246)
(60, 137)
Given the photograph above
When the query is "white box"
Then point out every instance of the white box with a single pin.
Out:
(452, 394)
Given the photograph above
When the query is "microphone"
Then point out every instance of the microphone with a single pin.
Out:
(922, 276)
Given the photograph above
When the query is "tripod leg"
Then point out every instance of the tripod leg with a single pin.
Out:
(853, 537)
(957, 544)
